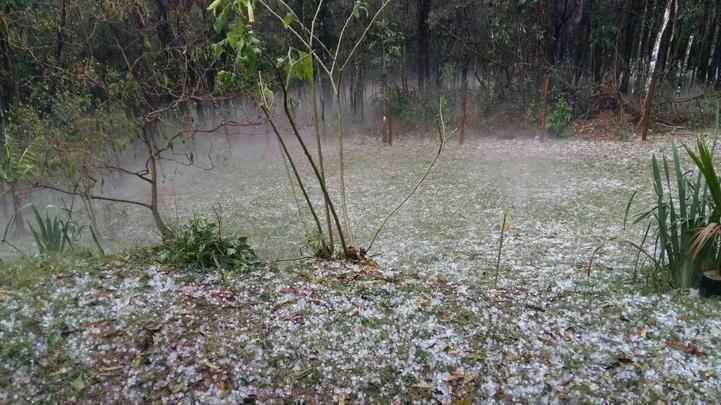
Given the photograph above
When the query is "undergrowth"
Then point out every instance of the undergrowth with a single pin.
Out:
(200, 244)
(28, 271)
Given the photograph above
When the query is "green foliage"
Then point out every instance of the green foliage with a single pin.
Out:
(200, 244)
(54, 235)
(559, 117)
(28, 271)
(17, 163)
(681, 209)
(298, 65)
(413, 109)
(235, 18)
(707, 239)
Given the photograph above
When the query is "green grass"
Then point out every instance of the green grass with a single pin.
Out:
(26, 272)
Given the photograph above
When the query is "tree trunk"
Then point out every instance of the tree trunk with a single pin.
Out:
(668, 58)
(629, 36)
(705, 42)
(164, 33)
(387, 135)
(637, 69)
(713, 49)
(651, 82)
(424, 43)
(60, 43)
(684, 67)
(464, 119)
(3, 201)
(20, 229)
(544, 112)
(148, 138)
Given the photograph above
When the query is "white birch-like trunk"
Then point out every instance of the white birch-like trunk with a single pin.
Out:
(712, 53)
(651, 80)
(657, 47)
(684, 67)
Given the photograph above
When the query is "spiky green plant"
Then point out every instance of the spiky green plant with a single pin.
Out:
(707, 238)
(676, 217)
(53, 234)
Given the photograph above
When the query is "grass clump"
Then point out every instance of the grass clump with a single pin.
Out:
(200, 244)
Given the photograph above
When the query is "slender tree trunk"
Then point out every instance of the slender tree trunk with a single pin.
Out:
(684, 67)
(544, 112)
(712, 50)
(464, 119)
(390, 128)
(20, 229)
(668, 59)
(651, 82)
(424, 41)
(631, 19)
(706, 40)
(148, 138)
(384, 89)
(341, 161)
(636, 71)
(319, 146)
(3, 201)
(60, 43)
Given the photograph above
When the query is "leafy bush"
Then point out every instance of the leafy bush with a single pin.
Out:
(559, 117)
(54, 234)
(201, 244)
(412, 109)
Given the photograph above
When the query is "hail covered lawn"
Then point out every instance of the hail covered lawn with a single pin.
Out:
(438, 319)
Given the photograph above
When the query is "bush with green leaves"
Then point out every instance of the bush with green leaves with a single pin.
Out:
(200, 244)
(559, 117)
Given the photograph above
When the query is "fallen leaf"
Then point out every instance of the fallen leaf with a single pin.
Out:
(688, 348)
(210, 365)
(456, 375)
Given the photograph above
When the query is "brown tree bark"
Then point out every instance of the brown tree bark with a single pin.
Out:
(544, 112)
(152, 162)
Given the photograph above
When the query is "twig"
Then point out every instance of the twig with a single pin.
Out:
(295, 259)
(442, 135)
(93, 197)
(500, 249)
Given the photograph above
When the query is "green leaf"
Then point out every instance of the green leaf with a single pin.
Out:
(214, 5)
(302, 67)
(221, 20)
(288, 20)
